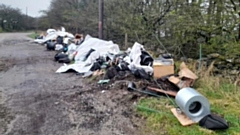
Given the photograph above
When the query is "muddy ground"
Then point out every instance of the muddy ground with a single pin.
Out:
(34, 100)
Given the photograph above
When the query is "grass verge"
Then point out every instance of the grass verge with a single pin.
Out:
(223, 96)
(33, 35)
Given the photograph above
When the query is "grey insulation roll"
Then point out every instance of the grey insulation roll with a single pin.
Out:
(193, 104)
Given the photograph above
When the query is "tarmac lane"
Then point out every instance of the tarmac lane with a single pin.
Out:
(34, 100)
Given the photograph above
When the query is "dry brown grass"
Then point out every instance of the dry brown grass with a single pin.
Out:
(223, 95)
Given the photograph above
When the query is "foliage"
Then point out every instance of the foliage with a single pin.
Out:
(33, 35)
(223, 96)
(11, 19)
(181, 25)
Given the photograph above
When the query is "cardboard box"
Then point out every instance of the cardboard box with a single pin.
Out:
(186, 77)
(161, 70)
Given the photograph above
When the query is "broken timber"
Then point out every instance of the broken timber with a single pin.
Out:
(168, 92)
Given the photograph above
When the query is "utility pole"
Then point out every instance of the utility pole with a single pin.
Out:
(27, 17)
(100, 23)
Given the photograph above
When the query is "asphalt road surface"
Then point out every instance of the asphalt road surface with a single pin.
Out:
(34, 100)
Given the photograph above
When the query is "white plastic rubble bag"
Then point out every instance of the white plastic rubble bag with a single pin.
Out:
(50, 31)
(71, 51)
(72, 48)
(63, 29)
(135, 57)
(66, 40)
(58, 47)
(135, 53)
(101, 48)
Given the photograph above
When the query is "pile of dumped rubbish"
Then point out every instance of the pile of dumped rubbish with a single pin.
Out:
(89, 56)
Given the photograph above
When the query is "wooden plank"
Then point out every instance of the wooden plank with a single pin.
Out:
(182, 118)
(169, 92)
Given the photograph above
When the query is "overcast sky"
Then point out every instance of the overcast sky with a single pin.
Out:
(33, 6)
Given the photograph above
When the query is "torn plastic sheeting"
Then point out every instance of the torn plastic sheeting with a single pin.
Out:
(101, 46)
(63, 29)
(135, 53)
(72, 48)
(49, 31)
(80, 68)
(127, 59)
(92, 57)
(66, 40)
(123, 66)
(135, 58)
(146, 59)
(58, 47)
(110, 56)
(87, 55)
(53, 35)
(47, 38)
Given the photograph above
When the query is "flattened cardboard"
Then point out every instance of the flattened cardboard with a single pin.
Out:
(183, 65)
(174, 80)
(181, 83)
(182, 118)
(185, 72)
(98, 73)
(186, 76)
(186, 82)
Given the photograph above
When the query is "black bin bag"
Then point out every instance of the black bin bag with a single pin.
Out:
(214, 122)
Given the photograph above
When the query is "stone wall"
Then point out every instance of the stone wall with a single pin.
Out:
(223, 66)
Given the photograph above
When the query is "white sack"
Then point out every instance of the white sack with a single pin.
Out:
(71, 51)
(58, 47)
(136, 53)
(53, 34)
(63, 29)
(49, 31)
(135, 58)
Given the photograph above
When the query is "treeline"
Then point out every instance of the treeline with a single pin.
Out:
(180, 26)
(11, 19)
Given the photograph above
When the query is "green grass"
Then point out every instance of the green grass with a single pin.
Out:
(223, 96)
(33, 35)
(1, 30)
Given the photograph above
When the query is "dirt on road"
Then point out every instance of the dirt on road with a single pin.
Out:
(34, 100)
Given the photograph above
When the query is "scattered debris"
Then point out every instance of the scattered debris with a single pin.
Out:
(103, 81)
(89, 56)
(168, 92)
(185, 78)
